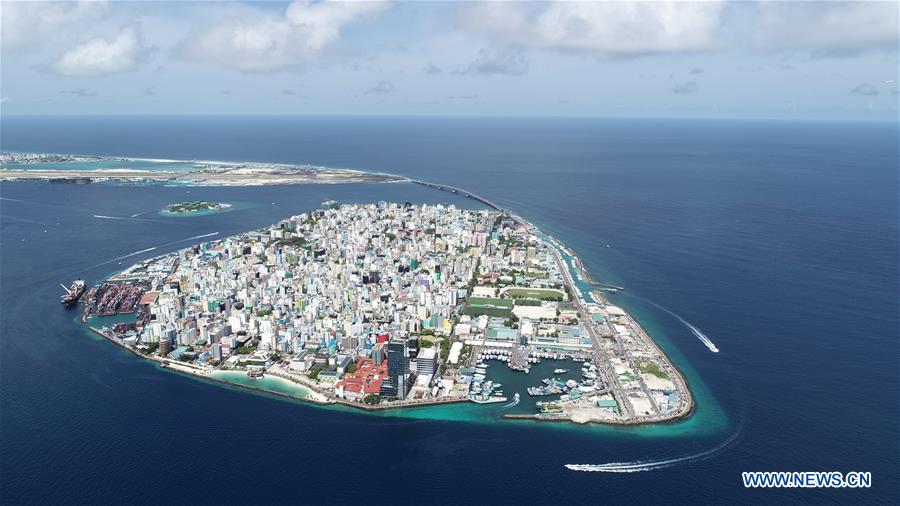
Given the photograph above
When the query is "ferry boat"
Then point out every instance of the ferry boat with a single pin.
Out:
(487, 399)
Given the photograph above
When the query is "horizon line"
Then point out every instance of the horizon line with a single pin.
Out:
(894, 120)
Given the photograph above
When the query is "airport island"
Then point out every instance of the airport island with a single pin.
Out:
(391, 306)
(73, 169)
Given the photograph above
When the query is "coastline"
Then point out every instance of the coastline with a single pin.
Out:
(200, 173)
(685, 409)
(317, 398)
(322, 399)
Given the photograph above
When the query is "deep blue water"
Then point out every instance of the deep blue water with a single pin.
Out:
(779, 240)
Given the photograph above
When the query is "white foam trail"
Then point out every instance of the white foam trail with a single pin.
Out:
(127, 218)
(132, 254)
(639, 466)
(511, 404)
(188, 239)
(701, 336)
(694, 330)
(201, 236)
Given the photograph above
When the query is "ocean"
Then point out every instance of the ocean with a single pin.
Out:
(778, 240)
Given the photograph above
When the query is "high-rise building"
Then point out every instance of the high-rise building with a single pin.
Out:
(165, 345)
(378, 353)
(426, 363)
(398, 371)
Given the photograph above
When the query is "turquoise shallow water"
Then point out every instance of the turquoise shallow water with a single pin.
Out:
(107, 164)
(267, 383)
(777, 239)
(708, 418)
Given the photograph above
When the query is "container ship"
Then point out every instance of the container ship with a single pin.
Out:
(73, 293)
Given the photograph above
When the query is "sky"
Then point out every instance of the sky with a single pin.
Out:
(731, 59)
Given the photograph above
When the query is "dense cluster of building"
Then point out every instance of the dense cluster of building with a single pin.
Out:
(389, 301)
(358, 294)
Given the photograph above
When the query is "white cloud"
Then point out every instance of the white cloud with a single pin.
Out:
(23, 23)
(273, 42)
(490, 62)
(602, 28)
(382, 88)
(6, 100)
(865, 89)
(841, 29)
(686, 87)
(100, 56)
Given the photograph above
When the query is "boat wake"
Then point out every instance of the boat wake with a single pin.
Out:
(693, 328)
(701, 336)
(152, 248)
(103, 217)
(131, 254)
(188, 239)
(128, 218)
(640, 466)
(511, 404)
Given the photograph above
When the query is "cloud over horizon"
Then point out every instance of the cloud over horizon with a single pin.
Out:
(100, 56)
(865, 89)
(497, 61)
(606, 29)
(22, 24)
(272, 42)
(635, 58)
(382, 88)
(686, 87)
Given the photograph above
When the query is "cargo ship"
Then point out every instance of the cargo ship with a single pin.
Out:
(73, 293)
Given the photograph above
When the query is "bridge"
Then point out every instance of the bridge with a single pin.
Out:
(453, 189)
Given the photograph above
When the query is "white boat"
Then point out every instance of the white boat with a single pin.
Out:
(560, 371)
(486, 399)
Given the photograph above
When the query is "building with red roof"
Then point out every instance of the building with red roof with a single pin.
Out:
(366, 380)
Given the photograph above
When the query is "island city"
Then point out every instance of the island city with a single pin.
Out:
(393, 305)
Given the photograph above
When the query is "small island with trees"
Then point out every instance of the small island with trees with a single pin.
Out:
(197, 207)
